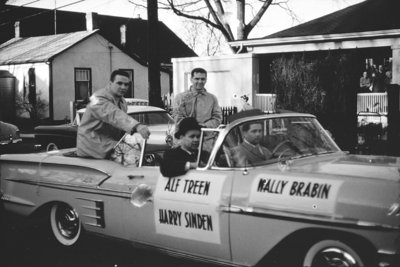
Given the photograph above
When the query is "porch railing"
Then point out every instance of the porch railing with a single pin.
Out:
(226, 112)
(372, 102)
(265, 102)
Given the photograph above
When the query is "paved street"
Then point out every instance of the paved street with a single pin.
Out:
(22, 248)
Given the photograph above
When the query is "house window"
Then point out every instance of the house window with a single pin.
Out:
(131, 92)
(83, 83)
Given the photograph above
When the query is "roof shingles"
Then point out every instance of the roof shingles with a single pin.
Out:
(38, 49)
(370, 15)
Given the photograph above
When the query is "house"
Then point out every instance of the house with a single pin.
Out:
(129, 34)
(370, 31)
(63, 68)
(372, 26)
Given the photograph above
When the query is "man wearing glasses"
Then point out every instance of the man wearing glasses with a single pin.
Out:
(105, 120)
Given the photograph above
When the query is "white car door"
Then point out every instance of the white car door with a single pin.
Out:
(181, 214)
(188, 214)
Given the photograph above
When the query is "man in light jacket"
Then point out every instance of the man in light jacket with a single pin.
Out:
(198, 103)
(105, 120)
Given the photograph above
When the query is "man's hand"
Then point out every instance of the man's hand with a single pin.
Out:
(193, 165)
(143, 131)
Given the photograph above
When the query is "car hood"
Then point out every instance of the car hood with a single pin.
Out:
(53, 129)
(362, 166)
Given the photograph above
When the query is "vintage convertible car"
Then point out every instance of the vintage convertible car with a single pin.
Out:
(308, 204)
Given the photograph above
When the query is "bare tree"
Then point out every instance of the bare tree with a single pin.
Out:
(218, 14)
(201, 37)
(35, 110)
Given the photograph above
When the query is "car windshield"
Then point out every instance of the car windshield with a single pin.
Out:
(153, 118)
(260, 142)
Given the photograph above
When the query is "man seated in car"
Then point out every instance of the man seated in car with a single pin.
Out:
(250, 152)
(177, 161)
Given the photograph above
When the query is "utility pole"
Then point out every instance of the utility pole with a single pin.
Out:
(55, 16)
(153, 54)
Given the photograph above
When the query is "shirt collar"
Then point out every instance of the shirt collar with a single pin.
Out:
(187, 151)
(196, 93)
(117, 99)
(250, 144)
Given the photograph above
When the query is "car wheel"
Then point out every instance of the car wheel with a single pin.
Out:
(51, 147)
(329, 253)
(65, 224)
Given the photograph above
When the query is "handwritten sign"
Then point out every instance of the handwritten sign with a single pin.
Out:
(186, 207)
(297, 193)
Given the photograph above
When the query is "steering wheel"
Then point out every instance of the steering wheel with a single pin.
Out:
(279, 146)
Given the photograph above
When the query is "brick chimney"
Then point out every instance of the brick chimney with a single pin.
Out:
(91, 21)
(16, 29)
(123, 34)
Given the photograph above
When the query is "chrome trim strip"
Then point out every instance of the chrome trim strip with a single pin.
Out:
(387, 252)
(78, 188)
(301, 216)
(91, 208)
(94, 224)
(17, 200)
(93, 216)
(90, 199)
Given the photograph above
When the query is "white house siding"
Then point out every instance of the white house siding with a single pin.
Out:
(42, 80)
(228, 77)
(93, 53)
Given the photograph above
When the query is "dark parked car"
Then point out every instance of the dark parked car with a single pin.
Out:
(52, 137)
(11, 142)
(9, 133)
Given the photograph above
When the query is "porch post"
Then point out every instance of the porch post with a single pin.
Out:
(396, 63)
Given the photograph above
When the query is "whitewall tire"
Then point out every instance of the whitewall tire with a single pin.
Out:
(65, 224)
(332, 253)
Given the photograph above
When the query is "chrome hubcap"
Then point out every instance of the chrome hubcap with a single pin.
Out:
(334, 257)
(67, 222)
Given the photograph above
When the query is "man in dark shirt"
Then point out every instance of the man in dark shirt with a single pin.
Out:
(177, 161)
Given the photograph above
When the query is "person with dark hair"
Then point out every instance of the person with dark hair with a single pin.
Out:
(177, 161)
(378, 80)
(198, 103)
(105, 120)
(365, 83)
(250, 152)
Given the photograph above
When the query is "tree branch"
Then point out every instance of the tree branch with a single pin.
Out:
(256, 18)
(180, 13)
(227, 32)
